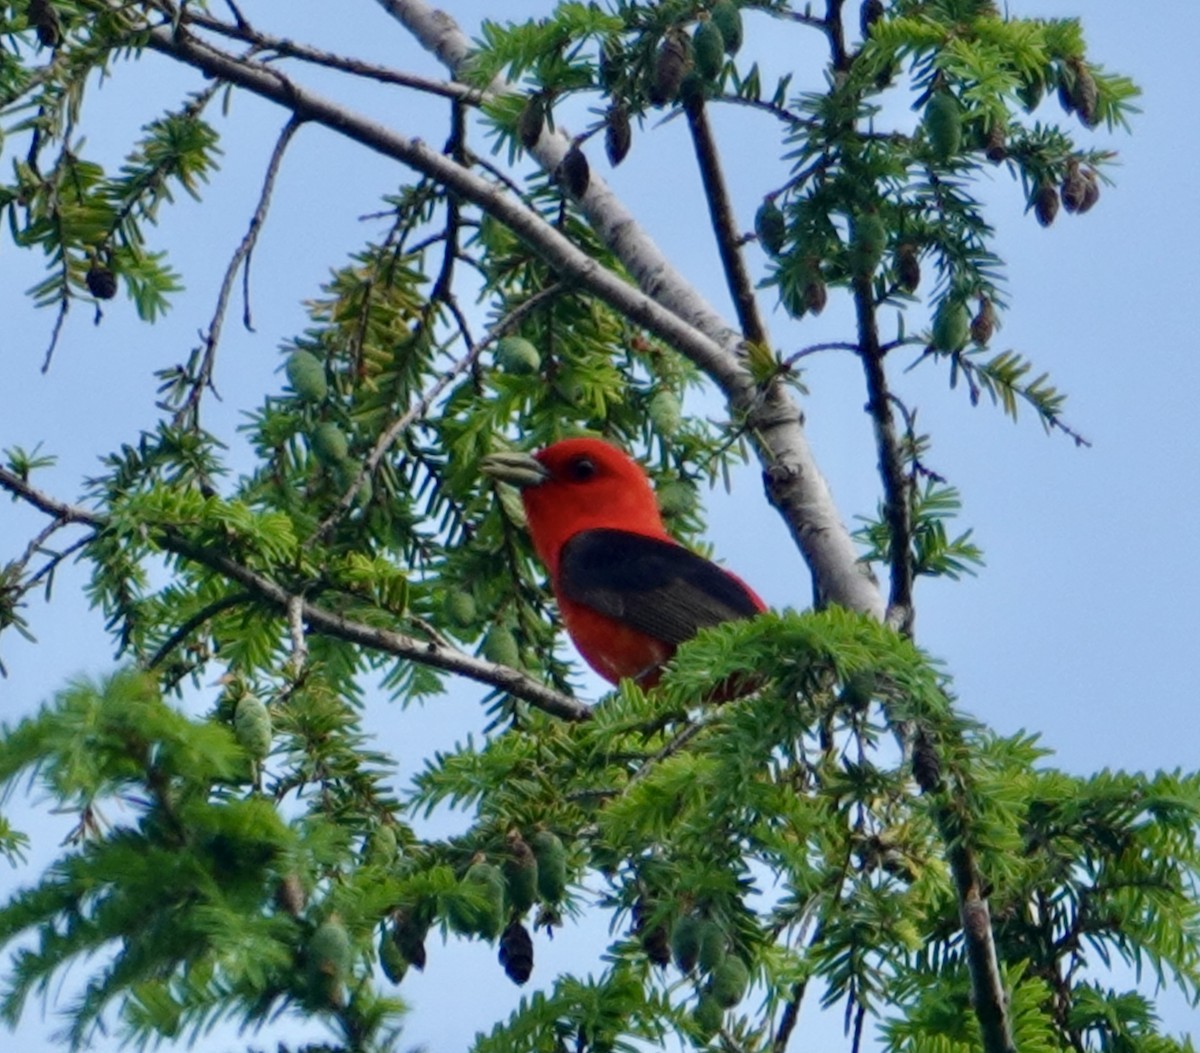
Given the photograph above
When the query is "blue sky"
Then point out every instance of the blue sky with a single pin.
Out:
(1083, 626)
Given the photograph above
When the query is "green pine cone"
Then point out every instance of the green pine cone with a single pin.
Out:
(518, 356)
(520, 875)
(391, 958)
(868, 239)
(771, 227)
(460, 608)
(500, 646)
(328, 957)
(479, 908)
(708, 1015)
(685, 942)
(551, 858)
(306, 374)
(252, 726)
(943, 125)
(951, 325)
(728, 19)
(665, 412)
(729, 981)
(712, 947)
(329, 443)
(708, 47)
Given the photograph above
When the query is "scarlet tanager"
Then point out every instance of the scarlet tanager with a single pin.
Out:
(629, 593)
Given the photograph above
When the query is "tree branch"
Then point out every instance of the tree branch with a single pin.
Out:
(988, 997)
(720, 209)
(836, 33)
(285, 48)
(896, 503)
(188, 413)
(426, 652)
(543, 238)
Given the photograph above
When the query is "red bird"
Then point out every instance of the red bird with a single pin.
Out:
(629, 593)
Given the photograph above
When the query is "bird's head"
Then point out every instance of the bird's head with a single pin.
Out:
(578, 484)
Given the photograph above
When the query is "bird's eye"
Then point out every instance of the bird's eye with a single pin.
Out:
(581, 469)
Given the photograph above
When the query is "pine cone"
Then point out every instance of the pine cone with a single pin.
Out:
(1085, 98)
(983, 325)
(409, 934)
(101, 282)
(45, 20)
(870, 13)
(516, 953)
(289, 895)
(996, 147)
(926, 764)
(1091, 191)
(1045, 203)
(531, 121)
(574, 172)
(618, 135)
(670, 66)
(1074, 187)
(815, 295)
(908, 267)
(655, 939)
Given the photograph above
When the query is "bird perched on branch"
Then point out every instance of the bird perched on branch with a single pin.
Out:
(629, 593)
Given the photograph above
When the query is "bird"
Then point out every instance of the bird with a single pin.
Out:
(629, 594)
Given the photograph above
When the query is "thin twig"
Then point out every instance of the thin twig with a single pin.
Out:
(780, 112)
(49, 566)
(812, 349)
(36, 543)
(476, 160)
(194, 622)
(64, 305)
(805, 19)
(284, 48)
(188, 413)
(669, 750)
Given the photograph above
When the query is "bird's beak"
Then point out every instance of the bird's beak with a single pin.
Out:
(518, 469)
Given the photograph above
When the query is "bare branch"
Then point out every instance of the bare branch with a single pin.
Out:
(188, 413)
(284, 48)
(812, 349)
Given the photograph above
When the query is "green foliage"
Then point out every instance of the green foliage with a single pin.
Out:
(757, 812)
(78, 214)
(934, 552)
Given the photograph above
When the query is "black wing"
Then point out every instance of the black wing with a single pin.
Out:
(654, 586)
